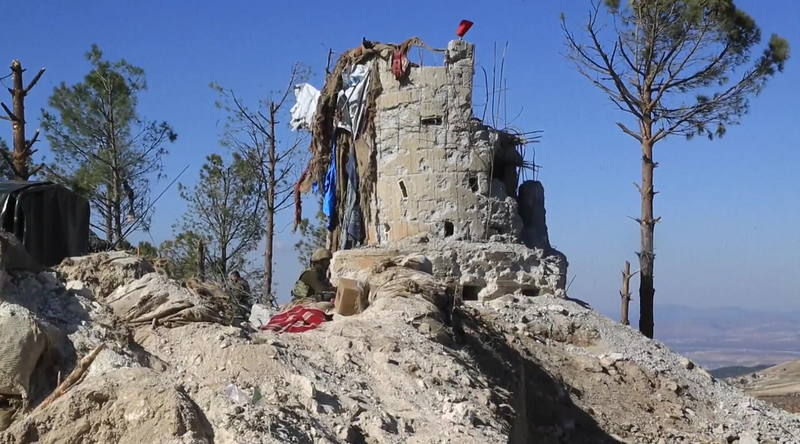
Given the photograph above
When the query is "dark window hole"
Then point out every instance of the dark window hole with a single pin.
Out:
(496, 229)
(470, 292)
(448, 228)
(530, 292)
(403, 190)
(473, 184)
(431, 121)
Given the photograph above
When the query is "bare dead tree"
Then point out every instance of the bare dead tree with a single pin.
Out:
(625, 294)
(683, 68)
(20, 159)
(253, 133)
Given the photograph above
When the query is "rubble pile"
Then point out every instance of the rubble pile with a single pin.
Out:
(103, 273)
(515, 369)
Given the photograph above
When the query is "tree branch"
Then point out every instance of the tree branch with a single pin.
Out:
(33, 82)
(11, 116)
(629, 132)
(10, 162)
(29, 143)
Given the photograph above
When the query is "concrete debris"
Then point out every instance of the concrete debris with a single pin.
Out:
(119, 268)
(22, 343)
(514, 369)
(14, 256)
(484, 270)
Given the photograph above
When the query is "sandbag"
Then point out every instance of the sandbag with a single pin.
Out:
(389, 279)
(22, 342)
(156, 298)
(417, 262)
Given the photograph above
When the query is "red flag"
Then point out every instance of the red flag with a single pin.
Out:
(463, 28)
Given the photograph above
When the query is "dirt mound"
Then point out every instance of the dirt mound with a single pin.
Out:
(122, 406)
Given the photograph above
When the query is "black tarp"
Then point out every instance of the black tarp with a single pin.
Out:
(51, 220)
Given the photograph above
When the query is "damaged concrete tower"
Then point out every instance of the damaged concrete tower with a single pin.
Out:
(447, 186)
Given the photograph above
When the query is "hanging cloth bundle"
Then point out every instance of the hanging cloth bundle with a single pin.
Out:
(400, 64)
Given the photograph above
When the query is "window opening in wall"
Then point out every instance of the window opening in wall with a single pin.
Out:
(496, 229)
(470, 292)
(473, 184)
(403, 190)
(530, 292)
(449, 229)
(431, 120)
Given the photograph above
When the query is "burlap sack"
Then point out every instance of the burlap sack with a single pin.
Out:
(22, 342)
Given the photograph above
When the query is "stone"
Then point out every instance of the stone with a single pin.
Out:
(687, 364)
(486, 271)
(260, 314)
(78, 287)
(609, 361)
(47, 278)
(747, 438)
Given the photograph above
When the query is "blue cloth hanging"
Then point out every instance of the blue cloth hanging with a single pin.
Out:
(329, 187)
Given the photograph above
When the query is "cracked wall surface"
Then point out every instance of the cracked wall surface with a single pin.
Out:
(433, 175)
(443, 174)
(442, 171)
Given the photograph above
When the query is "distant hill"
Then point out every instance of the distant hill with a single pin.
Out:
(737, 370)
(778, 385)
(727, 336)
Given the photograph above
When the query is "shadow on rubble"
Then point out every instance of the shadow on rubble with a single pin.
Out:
(542, 409)
(61, 356)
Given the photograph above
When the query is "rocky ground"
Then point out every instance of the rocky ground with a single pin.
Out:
(513, 370)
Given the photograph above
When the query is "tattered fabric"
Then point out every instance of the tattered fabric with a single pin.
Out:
(325, 123)
(351, 219)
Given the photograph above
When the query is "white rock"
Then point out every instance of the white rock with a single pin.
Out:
(747, 438)
(558, 309)
(80, 289)
(260, 314)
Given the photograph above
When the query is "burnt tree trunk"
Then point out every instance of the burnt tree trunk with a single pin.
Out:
(201, 261)
(625, 294)
(271, 185)
(20, 159)
(116, 174)
(117, 212)
(109, 219)
(647, 223)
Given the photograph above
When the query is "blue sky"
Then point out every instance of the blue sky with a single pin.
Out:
(729, 232)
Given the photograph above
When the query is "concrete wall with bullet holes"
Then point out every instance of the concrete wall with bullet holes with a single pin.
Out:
(434, 160)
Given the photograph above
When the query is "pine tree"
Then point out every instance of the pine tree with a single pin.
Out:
(224, 210)
(102, 147)
(678, 68)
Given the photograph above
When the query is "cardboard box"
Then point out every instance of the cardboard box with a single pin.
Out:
(347, 295)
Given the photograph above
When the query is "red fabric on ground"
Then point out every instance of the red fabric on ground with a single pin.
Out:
(295, 320)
